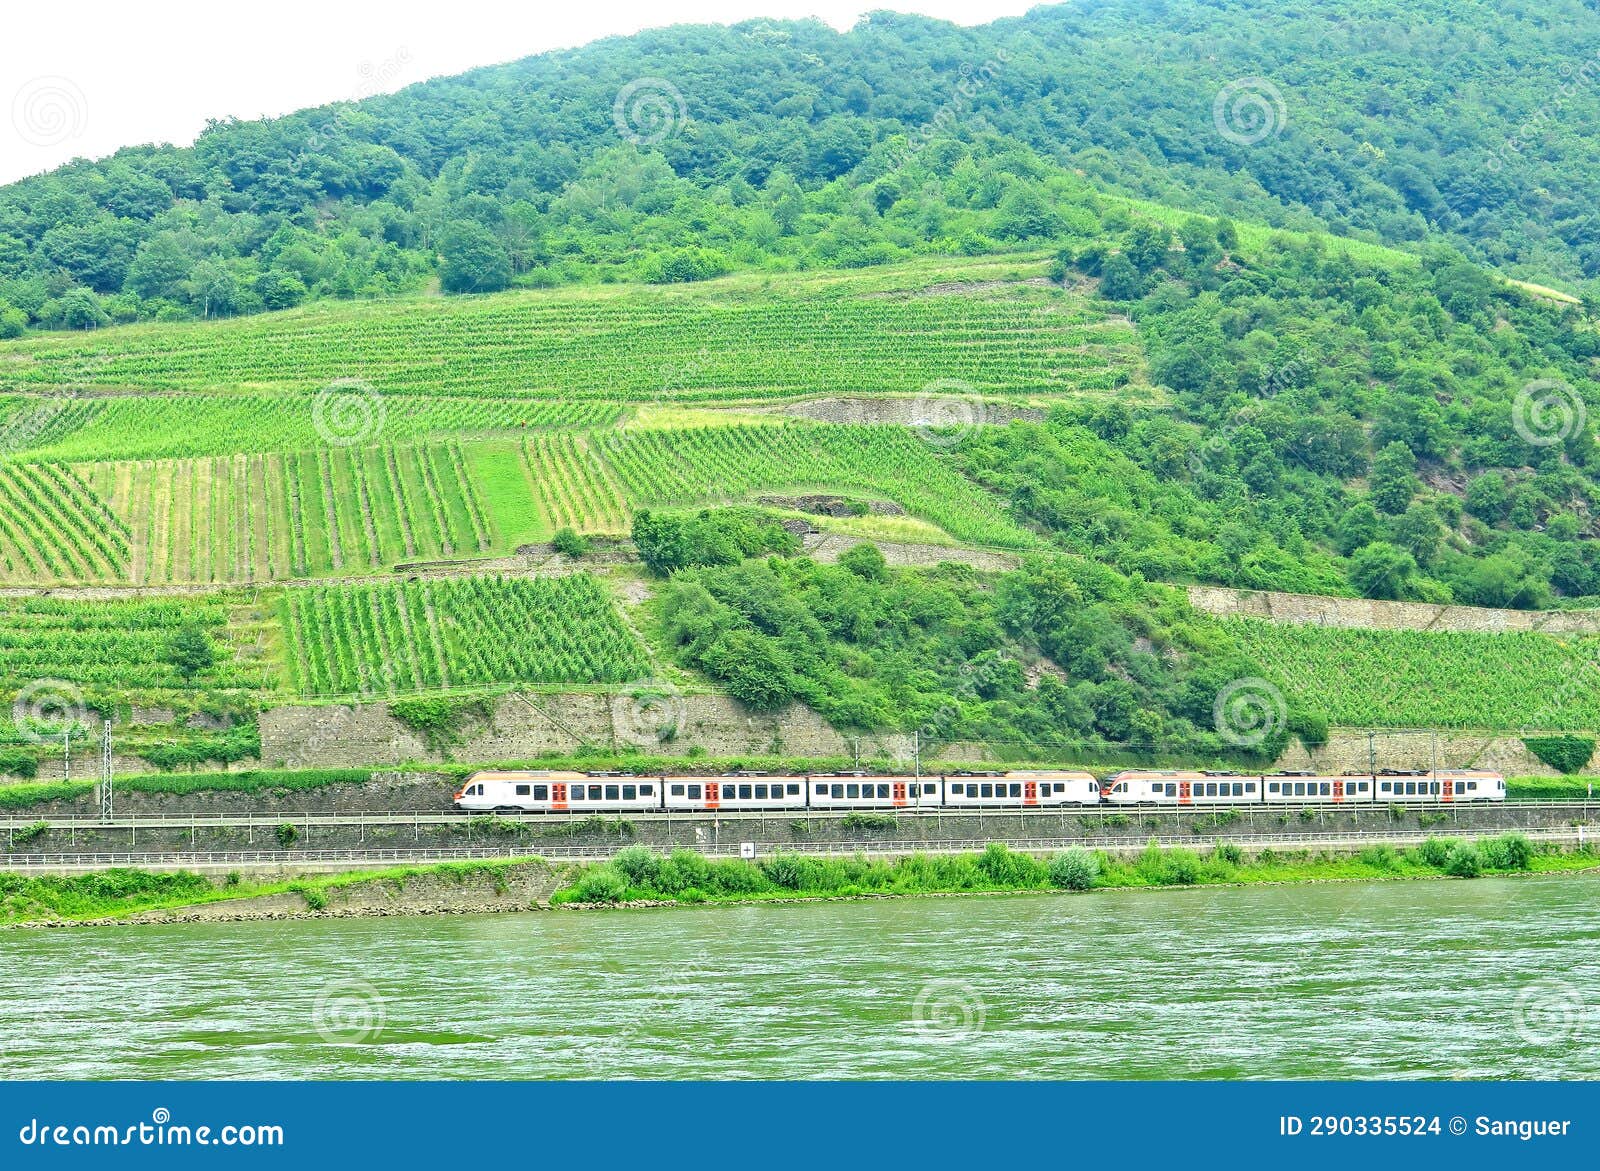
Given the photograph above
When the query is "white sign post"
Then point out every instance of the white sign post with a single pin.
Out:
(747, 850)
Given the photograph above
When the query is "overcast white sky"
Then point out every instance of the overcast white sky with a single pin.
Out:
(84, 77)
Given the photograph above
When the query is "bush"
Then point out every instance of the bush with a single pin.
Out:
(1077, 869)
(1565, 754)
(1507, 852)
(639, 865)
(1435, 852)
(1004, 867)
(1380, 857)
(602, 884)
(786, 871)
(287, 835)
(1464, 861)
(1229, 853)
(693, 869)
(569, 543)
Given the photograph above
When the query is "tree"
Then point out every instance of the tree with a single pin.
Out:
(191, 651)
(753, 667)
(1120, 280)
(1394, 480)
(865, 560)
(474, 260)
(1379, 570)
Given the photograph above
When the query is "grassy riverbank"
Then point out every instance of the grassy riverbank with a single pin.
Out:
(638, 874)
(114, 894)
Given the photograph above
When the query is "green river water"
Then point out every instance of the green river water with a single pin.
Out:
(1481, 979)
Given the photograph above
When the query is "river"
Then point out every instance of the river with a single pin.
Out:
(1482, 979)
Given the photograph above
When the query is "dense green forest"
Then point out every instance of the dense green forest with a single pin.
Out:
(789, 144)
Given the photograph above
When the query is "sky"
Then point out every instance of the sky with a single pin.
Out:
(91, 76)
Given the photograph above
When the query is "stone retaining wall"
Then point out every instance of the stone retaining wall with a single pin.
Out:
(1366, 613)
(526, 726)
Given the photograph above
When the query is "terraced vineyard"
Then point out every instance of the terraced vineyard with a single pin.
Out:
(695, 465)
(1430, 679)
(118, 645)
(53, 528)
(167, 426)
(246, 518)
(735, 338)
(574, 488)
(383, 639)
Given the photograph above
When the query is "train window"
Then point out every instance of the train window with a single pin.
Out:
(1272, 786)
(744, 792)
(630, 792)
(647, 790)
(928, 790)
(1471, 785)
(822, 790)
(838, 792)
(1299, 789)
(986, 791)
(852, 791)
(524, 790)
(761, 792)
(1172, 790)
(694, 792)
(1016, 790)
(957, 789)
(541, 792)
(1327, 788)
(676, 790)
(794, 790)
(613, 792)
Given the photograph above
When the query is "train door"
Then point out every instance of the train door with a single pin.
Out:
(1030, 792)
(1449, 793)
(899, 794)
(713, 795)
(558, 795)
(1185, 796)
(1338, 791)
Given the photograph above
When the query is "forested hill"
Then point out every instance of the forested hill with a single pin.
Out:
(682, 152)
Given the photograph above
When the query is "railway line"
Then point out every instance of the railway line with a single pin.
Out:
(309, 859)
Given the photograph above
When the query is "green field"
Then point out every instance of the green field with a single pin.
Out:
(742, 337)
(1430, 679)
(386, 639)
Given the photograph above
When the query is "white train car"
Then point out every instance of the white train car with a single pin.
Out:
(1314, 788)
(1443, 786)
(1173, 787)
(861, 791)
(748, 791)
(539, 791)
(1040, 788)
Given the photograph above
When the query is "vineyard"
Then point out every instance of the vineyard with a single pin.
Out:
(246, 518)
(175, 426)
(573, 487)
(118, 646)
(1430, 679)
(695, 465)
(53, 528)
(384, 639)
(736, 338)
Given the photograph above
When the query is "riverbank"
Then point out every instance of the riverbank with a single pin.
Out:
(639, 877)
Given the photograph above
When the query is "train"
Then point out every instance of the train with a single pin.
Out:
(544, 791)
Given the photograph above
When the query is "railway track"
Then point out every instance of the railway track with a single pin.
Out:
(357, 856)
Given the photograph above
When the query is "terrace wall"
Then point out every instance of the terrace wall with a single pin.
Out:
(1366, 613)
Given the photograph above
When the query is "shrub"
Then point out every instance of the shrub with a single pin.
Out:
(570, 543)
(30, 833)
(1435, 852)
(1464, 861)
(287, 835)
(640, 865)
(785, 870)
(1565, 754)
(1507, 852)
(1380, 857)
(1076, 869)
(601, 884)
(1005, 867)
(1183, 868)
(1229, 853)
(693, 869)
